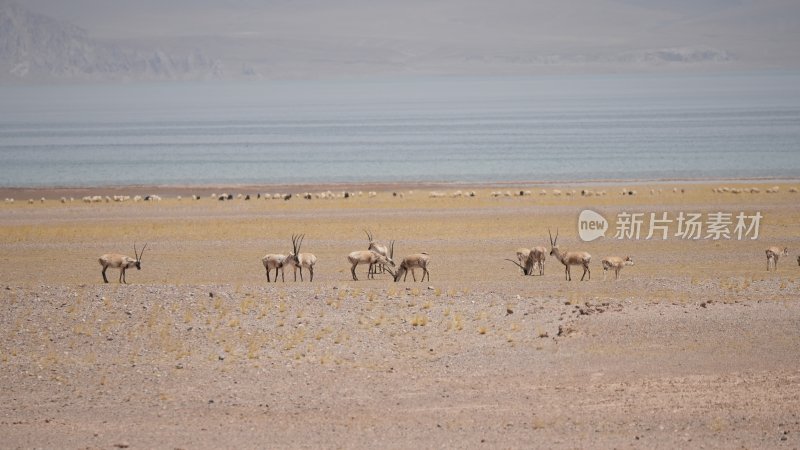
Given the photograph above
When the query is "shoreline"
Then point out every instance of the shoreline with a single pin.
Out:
(207, 189)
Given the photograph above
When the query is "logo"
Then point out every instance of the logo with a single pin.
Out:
(591, 225)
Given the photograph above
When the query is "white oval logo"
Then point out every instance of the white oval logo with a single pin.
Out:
(591, 225)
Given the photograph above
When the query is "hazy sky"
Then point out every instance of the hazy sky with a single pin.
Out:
(763, 33)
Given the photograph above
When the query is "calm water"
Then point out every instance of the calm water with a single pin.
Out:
(438, 129)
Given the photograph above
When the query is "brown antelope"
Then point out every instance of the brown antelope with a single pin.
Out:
(616, 263)
(379, 249)
(274, 261)
(411, 262)
(299, 260)
(537, 256)
(570, 258)
(530, 259)
(369, 257)
(773, 254)
(121, 262)
(525, 262)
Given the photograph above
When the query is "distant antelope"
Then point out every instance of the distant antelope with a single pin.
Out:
(379, 249)
(411, 262)
(121, 262)
(773, 254)
(616, 263)
(299, 260)
(274, 261)
(570, 258)
(369, 257)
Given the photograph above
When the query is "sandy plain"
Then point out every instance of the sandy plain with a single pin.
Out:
(696, 346)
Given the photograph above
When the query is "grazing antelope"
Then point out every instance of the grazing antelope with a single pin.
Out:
(411, 262)
(299, 260)
(525, 262)
(121, 262)
(367, 257)
(274, 261)
(530, 259)
(379, 249)
(616, 263)
(570, 258)
(773, 254)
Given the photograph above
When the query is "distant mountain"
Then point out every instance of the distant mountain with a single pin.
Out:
(256, 39)
(35, 47)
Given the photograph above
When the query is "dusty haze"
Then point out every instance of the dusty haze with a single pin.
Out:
(312, 39)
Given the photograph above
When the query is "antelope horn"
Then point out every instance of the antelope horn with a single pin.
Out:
(516, 264)
(135, 253)
(369, 235)
(391, 250)
(139, 258)
(551, 237)
(555, 242)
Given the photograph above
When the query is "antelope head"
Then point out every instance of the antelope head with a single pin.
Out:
(138, 262)
(553, 243)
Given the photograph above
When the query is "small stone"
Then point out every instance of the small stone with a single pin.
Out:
(703, 305)
(122, 445)
(211, 294)
(179, 366)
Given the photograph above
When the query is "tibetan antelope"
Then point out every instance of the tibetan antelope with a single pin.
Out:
(121, 262)
(274, 261)
(379, 249)
(530, 259)
(525, 262)
(299, 260)
(369, 257)
(570, 258)
(616, 263)
(411, 262)
(773, 254)
(537, 256)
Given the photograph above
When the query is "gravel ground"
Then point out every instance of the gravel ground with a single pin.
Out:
(692, 348)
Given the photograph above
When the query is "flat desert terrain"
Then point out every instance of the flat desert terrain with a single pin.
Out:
(695, 346)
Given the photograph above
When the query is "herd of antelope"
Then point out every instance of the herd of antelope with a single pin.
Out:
(379, 258)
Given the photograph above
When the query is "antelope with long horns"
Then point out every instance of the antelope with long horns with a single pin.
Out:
(773, 254)
(615, 263)
(369, 257)
(121, 262)
(299, 260)
(274, 261)
(570, 258)
(530, 259)
(379, 249)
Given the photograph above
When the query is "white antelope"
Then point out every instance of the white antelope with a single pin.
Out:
(367, 257)
(411, 262)
(121, 262)
(773, 254)
(379, 249)
(274, 261)
(299, 260)
(570, 258)
(616, 263)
